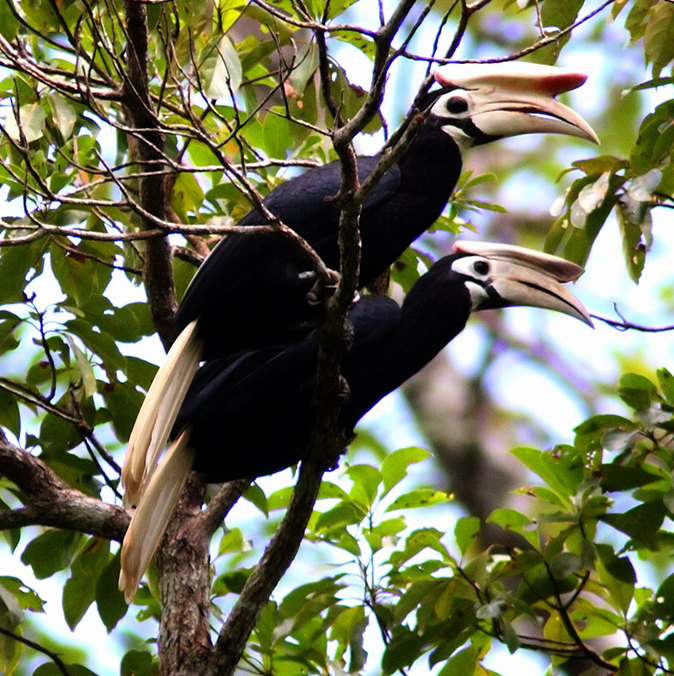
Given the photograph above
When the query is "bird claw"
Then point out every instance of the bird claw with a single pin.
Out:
(323, 288)
(344, 390)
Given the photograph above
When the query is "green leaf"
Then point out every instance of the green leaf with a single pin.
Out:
(231, 582)
(63, 114)
(465, 532)
(99, 343)
(512, 520)
(589, 434)
(665, 597)
(18, 264)
(416, 542)
(9, 22)
(561, 469)
(348, 630)
(50, 551)
(85, 368)
(617, 575)
(231, 541)
(366, 480)
(633, 218)
(226, 76)
(404, 649)
(510, 637)
(50, 669)
(79, 591)
(256, 496)
(123, 402)
(186, 196)
(666, 381)
(658, 42)
(139, 663)
(621, 478)
(26, 597)
(31, 123)
(464, 663)
(346, 513)
(641, 523)
(395, 465)
(385, 530)
(565, 563)
(109, 600)
(636, 391)
(593, 621)
(10, 416)
(421, 497)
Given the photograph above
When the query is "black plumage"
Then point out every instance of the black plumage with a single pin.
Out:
(252, 290)
(251, 414)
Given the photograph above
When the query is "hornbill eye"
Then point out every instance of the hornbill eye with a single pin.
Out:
(457, 105)
(481, 267)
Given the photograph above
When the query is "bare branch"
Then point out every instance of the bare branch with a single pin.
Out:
(51, 502)
(158, 272)
(625, 325)
(278, 555)
(218, 508)
(58, 662)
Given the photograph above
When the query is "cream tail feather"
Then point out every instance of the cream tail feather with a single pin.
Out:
(152, 515)
(158, 413)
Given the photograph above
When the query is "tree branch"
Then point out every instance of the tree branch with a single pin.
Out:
(278, 555)
(58, 662)
(158, 271)
(51, 502)
(210, 518)
(625, 325)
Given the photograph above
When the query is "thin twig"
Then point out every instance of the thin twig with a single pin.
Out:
(625, 325)
(58, 662)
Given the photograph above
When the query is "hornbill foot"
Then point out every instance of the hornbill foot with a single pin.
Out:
(333, 463)
(322, 288)
(344, 390)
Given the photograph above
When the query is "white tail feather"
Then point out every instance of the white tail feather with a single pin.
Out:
(158, 412)
(152, 515)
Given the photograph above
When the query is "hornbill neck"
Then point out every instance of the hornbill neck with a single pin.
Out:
(431, 164)
(433, 313)
(429, 170)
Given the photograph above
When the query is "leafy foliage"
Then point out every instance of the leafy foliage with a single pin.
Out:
(99, 162)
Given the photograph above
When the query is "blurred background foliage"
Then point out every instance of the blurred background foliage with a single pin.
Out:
(576, 566)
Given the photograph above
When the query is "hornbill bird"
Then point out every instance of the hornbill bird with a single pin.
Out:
(249, 414)
(255, 290)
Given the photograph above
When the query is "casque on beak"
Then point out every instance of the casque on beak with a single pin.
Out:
(515, 98)
(524, 277)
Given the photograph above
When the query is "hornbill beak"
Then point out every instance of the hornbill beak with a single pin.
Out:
(520, 276)
(515, 98)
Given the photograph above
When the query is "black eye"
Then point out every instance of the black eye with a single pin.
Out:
(457, 105)
(481, 267)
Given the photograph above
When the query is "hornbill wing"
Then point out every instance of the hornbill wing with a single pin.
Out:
(277, 380)
(239, 261)
(222, 411)
(241, 270)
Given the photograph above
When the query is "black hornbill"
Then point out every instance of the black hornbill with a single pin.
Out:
(249, 414)
(252, 290)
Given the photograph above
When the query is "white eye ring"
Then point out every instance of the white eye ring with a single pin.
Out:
(456, 105)
(476, 267)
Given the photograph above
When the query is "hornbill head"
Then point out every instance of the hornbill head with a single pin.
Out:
(479, 103)
(501, 275)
